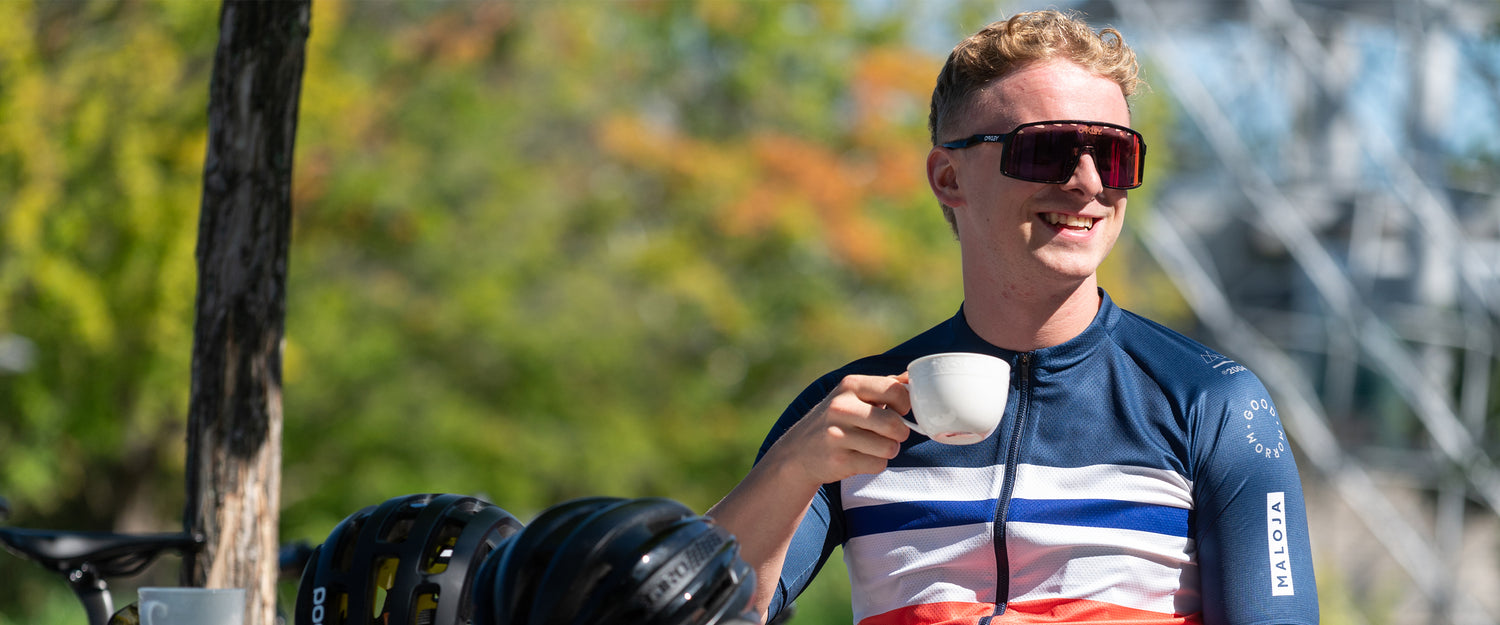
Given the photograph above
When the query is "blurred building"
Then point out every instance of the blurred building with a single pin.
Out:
(1334, 222)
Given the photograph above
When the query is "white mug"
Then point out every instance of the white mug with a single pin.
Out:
(957, 398)
(192, 606)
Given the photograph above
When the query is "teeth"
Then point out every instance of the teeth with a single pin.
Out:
(1070, 221)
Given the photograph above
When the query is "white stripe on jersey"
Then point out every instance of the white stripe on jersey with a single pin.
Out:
(896, 569)
(1104, 481)
(925, 483)
(1141, 570)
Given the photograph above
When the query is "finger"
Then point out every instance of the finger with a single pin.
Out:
(888, 423)
(857, 463)
(886, 390)
(848, 462)
(849, 411)
(865, 442)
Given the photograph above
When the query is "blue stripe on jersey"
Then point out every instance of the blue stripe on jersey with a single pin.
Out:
(1105, 513)
(913, 515)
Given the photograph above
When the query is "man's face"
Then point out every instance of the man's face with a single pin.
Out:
(1028, 236)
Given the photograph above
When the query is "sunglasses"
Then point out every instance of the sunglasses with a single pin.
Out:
(1048, 151)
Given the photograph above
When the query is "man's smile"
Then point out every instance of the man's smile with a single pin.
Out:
(1069, 222)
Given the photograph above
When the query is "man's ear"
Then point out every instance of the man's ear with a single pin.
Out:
(942, 176)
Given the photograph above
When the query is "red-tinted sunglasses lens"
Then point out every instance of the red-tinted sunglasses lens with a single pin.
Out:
(1048, 152)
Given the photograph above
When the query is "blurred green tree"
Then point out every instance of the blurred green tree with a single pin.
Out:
(101, 147)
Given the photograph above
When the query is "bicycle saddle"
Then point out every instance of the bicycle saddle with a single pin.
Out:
(106, 554)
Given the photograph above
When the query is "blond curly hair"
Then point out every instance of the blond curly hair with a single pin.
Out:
(1005, 46)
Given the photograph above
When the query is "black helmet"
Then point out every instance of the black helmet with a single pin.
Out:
(419, 551)
(609, 561)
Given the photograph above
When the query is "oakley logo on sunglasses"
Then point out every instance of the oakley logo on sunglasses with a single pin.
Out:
(1048, 151)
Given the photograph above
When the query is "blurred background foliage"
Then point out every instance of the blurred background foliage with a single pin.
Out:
(540, 250)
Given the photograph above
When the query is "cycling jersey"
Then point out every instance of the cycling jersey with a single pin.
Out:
(1137, 477)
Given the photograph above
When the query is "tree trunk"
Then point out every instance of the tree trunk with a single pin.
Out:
(244, 232)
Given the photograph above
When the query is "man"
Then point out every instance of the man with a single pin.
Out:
(1137, 477)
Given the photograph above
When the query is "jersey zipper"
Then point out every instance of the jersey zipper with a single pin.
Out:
(1002, 506)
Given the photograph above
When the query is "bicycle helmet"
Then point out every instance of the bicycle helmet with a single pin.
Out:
(611, 561)
(407, 561)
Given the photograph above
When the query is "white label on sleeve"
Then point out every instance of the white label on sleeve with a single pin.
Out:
(1281, 558)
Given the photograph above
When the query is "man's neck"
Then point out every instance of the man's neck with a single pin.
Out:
(1023, 320)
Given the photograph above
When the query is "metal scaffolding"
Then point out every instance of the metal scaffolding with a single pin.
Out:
(1339, 235)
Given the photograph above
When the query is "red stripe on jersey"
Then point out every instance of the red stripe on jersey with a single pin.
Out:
(1037, 612)
(1084, 611)
(944, 613)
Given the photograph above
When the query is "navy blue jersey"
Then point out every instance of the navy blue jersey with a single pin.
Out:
(1137, 477)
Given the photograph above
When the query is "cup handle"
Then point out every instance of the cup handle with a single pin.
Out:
(152, 611)
(910, 423)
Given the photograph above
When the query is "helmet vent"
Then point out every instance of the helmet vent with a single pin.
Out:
(440, 551)
(343, 555)
(383, 570)
(426, 605)
(398, 531)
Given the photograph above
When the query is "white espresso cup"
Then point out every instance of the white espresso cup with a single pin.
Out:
(192, 606)
(957, 398)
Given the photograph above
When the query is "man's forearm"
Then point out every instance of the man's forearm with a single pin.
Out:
(763, 513)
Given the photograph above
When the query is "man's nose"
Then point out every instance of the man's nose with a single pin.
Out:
(1085, 176)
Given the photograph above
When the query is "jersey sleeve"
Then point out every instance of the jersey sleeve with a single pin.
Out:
(822, 528)
(1254, 554)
